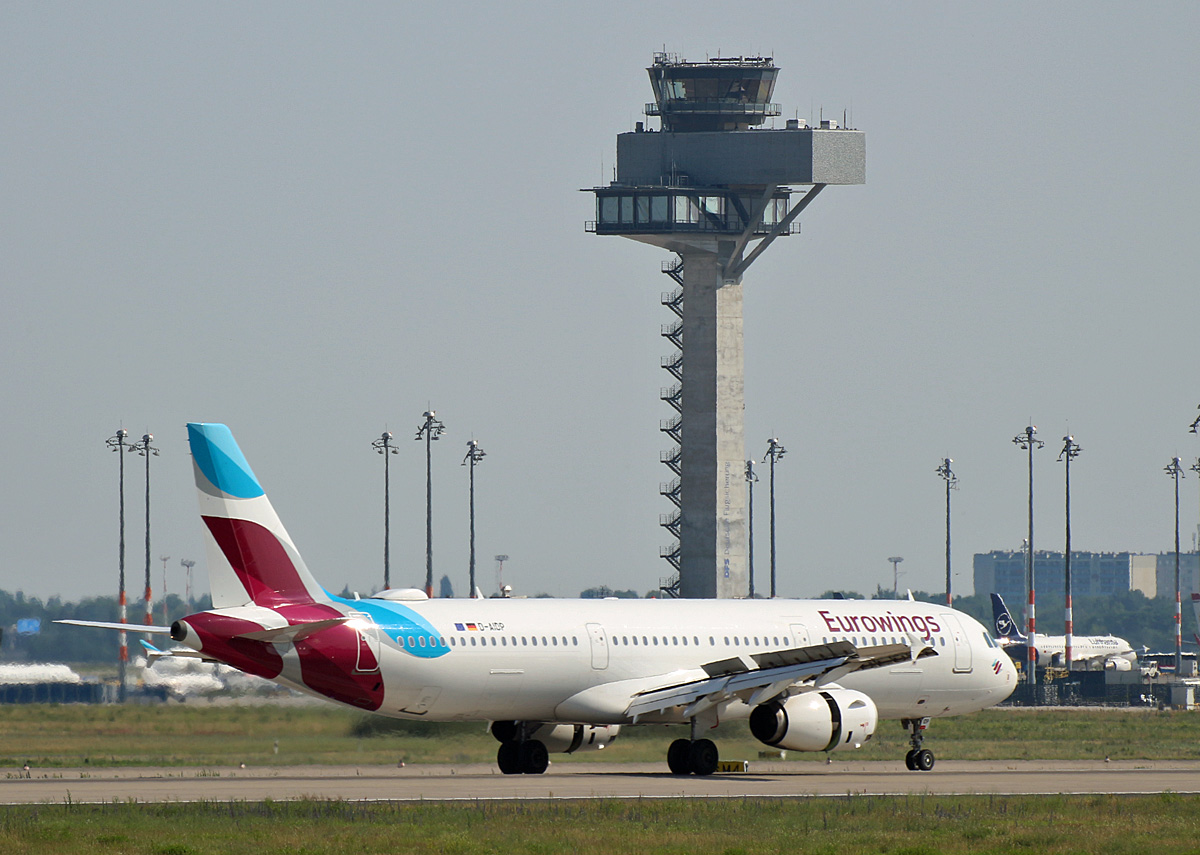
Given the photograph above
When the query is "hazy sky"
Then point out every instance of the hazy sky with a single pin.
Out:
(313, 221)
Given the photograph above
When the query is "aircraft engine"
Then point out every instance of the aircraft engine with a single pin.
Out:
(827, 720)
(1116, 664)
(560, 738)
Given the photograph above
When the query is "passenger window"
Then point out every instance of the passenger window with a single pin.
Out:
(656, 641)
(472, 641)
(555, 640)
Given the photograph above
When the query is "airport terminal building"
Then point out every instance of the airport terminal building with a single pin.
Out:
(1092, 573)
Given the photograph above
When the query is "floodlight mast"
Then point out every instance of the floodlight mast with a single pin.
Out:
(164, 559)
(705, 188)
(144, 448)
(384, 446)
(1026, 442)
(187, 564)
(1175, 470)
(117, 443)
(751, 479)
(951, 484)
(474, 455)
(431, 429)
(895, 559)
(775, 452)
(1070, 451)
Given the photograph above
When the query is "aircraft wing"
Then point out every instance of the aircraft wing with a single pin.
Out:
(763, 676)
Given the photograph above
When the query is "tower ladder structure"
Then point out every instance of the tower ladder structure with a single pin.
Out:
(672, 363)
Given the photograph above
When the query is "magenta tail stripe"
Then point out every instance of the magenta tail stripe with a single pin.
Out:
(260, 562)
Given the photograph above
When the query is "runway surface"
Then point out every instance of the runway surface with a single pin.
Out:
(590, 781)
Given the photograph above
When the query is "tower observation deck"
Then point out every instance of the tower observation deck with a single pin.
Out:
(716, 189)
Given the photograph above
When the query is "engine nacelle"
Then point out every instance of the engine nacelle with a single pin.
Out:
(828, 720)
(560, 738)
(569, 738)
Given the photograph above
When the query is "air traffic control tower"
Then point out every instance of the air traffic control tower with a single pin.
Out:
(708, 186)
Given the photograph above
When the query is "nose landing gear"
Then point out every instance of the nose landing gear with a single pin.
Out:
(918, 759)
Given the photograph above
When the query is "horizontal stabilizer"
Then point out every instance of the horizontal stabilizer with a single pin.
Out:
(292, 634)
(128, 627)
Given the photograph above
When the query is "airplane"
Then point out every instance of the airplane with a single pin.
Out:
(1112, 652)
(553, 675)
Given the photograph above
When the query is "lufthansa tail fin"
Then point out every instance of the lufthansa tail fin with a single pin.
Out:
(1002, 621)
(251, 559)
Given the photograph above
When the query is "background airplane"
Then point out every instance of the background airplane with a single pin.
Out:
(566, 675)
(1105, 651)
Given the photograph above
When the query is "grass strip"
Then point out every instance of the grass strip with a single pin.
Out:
(898, 825)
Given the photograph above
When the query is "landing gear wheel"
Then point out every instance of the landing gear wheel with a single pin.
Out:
(508, 758)
(534, 757)
(918, 759)
(703, 757)
(678, 757)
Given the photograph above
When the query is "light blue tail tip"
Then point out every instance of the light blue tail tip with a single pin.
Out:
(222, 462)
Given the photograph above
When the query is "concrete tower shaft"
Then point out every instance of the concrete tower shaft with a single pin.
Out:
(706, 187)
(712, 459)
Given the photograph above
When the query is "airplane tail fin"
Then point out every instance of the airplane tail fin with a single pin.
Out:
(251, 558)
(1002, 621)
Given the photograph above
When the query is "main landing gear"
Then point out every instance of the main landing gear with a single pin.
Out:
(693, 756)
(519, 755)
(918, 759)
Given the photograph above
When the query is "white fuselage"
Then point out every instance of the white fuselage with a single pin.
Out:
(582, 661)
(1051, 649)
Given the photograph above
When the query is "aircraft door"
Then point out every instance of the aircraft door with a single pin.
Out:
(368, 644)
(962, 645)
(599, 646)
(799, 635)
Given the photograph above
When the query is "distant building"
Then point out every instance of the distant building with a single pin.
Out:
(1092, 573)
